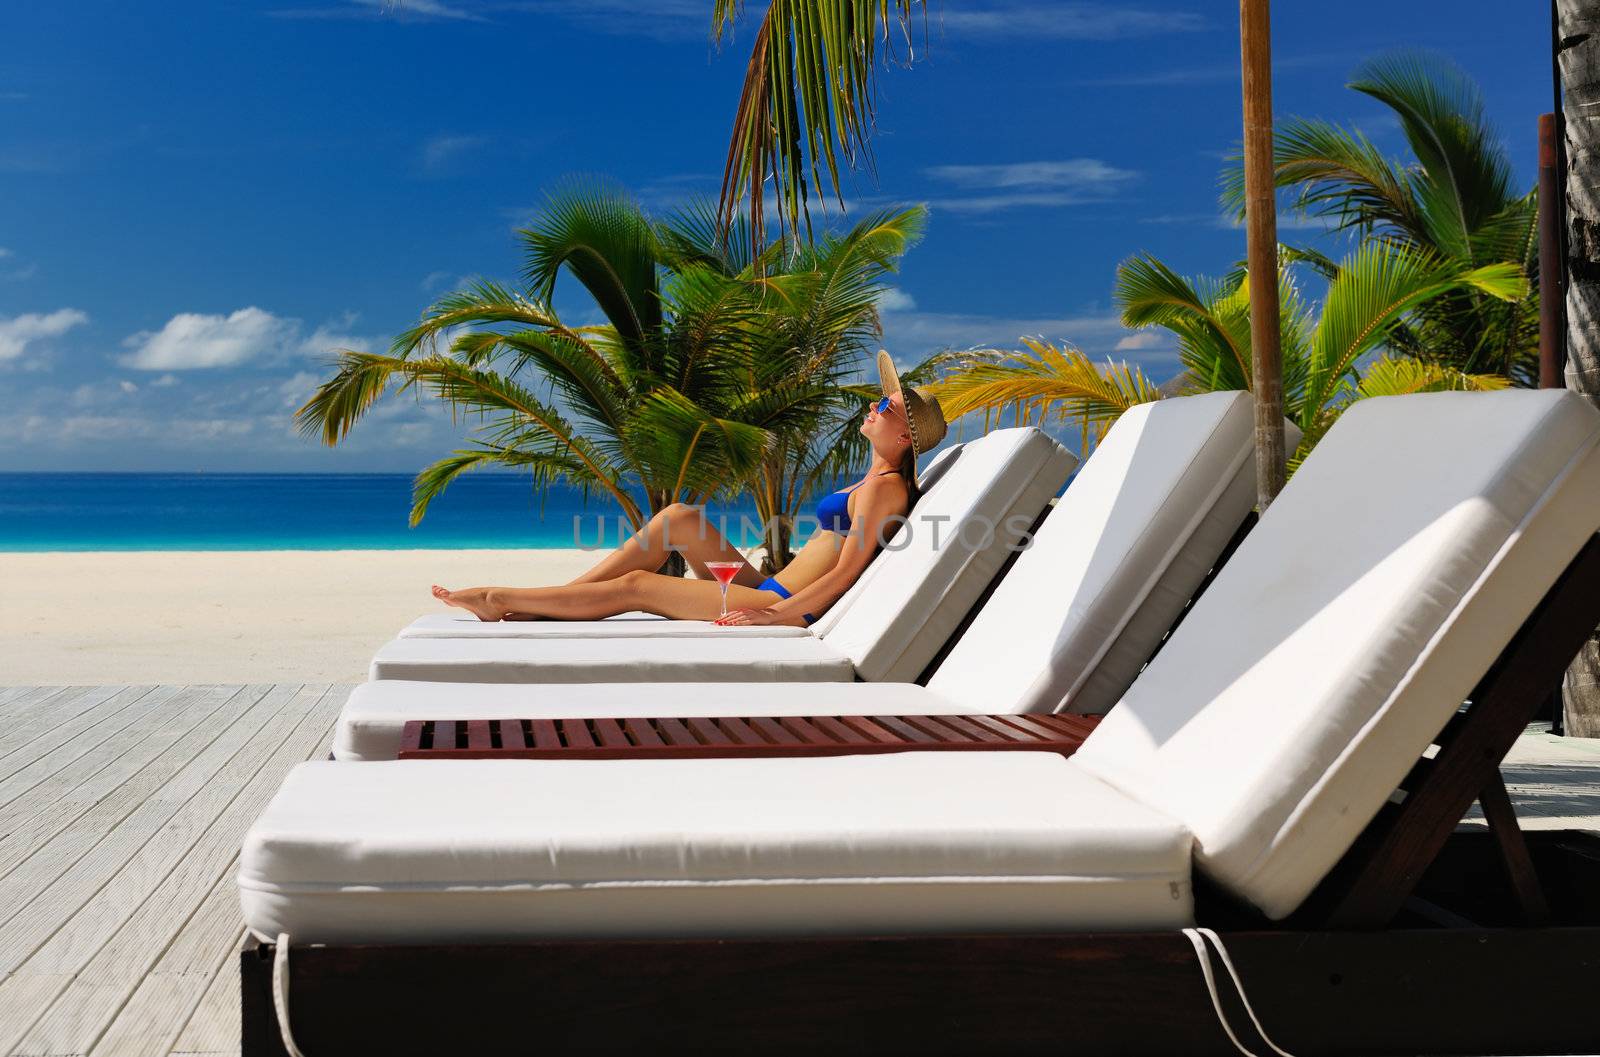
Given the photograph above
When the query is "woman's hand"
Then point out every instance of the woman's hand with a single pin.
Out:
(749, 618)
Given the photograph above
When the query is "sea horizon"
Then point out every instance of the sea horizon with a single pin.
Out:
(128, 511)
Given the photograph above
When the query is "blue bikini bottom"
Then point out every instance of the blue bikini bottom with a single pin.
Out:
(769, 584)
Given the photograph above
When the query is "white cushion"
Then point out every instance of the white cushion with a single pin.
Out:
(647, 660)
(902, 609)
(458, 625)
(1114, 564)
(491, 851)
(1373, 595)
(375, 714)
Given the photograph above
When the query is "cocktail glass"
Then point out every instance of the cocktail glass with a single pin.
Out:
(724, 572)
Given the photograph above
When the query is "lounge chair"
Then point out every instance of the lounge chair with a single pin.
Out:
(902, 613)
(951, 902)
(1022, 446)
(1066, 628)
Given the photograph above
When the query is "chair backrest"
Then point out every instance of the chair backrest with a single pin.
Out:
(1350, 625)
(895, 617)
(942, 460)
(1115, 562)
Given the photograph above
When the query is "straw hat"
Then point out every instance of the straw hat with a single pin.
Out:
(923, 413)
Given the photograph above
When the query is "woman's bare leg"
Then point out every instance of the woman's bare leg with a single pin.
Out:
(680, 527)
(667, 596)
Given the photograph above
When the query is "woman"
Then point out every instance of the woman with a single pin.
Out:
(855, 523)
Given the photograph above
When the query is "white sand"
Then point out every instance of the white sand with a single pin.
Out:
(231, 617)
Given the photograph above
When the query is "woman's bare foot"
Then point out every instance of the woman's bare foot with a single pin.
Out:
(472, 600)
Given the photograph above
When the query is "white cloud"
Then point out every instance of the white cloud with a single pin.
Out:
(1288, 220)
(190, 340)
(894, 299)
(128, 387)
(253, 336)
(165, 381)
(913, 335)
(1071, 173)
(1065, 182)
(440, 153)
(403, 10)
(17, 273)
(1143, 340)
(1071, 21)
(18, 332)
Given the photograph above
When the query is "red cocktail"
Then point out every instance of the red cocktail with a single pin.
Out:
(724, 572)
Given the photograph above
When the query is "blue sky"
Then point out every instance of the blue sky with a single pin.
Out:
(200, 198)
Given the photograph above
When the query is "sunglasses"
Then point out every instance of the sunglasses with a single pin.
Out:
(883, 406)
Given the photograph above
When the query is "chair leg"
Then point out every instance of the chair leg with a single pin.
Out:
(1502, 819)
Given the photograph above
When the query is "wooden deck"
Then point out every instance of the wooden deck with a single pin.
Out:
(121, 813)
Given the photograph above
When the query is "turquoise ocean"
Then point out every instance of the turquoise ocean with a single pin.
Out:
(248, 512)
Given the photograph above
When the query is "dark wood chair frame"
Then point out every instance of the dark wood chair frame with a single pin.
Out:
(1421, 940)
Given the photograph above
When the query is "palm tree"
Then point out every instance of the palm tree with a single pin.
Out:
(1325, 359)
(815, 332)
(1577, 23)
(1454, 198)
(679, 396)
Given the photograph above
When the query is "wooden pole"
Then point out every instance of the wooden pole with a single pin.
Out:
(1552, 331)
(1261, 253)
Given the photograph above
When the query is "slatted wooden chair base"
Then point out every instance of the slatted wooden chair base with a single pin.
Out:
(599, 739)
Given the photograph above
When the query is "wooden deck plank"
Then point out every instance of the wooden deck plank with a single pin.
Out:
(100, 768)
(213, 1026)
(35, 697)
(141, 848)
(112, 728)
(14, 695)
(51, 885)
(169, 923)
(17, 736)
(91, 823)
(28, 823)
(109, 937)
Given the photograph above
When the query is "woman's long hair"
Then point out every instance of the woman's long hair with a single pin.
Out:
(908, 473)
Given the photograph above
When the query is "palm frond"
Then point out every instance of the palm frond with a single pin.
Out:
(1375, 287)
(545, 467)
(606, 242)
(1211, 319)
(1339, 173)
(1445, 122)
(806, 107)
(1401, 376)
(359, 380)
(484, 303)
(691, 449)
(1047, 381)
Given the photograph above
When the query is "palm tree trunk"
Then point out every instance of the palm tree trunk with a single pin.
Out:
(1578, 49)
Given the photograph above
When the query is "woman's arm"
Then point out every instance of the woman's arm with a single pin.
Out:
(880, 509)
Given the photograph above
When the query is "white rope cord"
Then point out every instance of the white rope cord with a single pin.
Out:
(280, 992)
(1197, 938)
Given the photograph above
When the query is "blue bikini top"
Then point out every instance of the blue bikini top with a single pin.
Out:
(833, 511)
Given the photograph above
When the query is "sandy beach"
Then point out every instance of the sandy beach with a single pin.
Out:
(231, 617)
